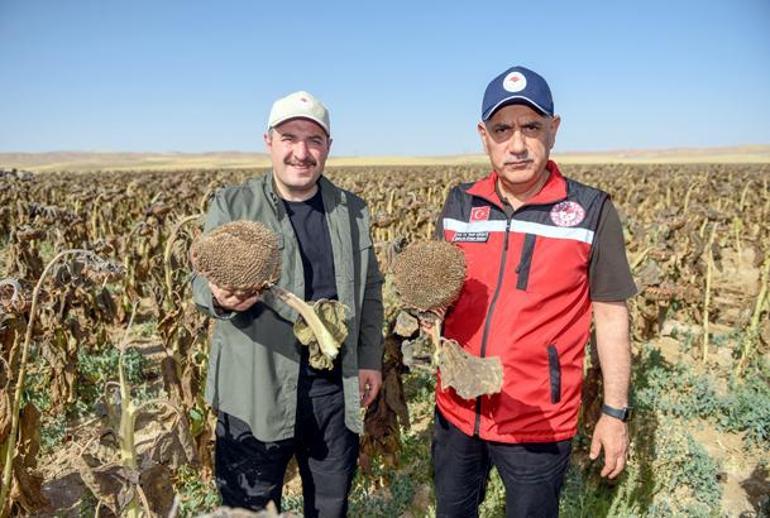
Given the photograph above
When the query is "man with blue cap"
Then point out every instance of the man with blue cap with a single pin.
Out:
(544, 253)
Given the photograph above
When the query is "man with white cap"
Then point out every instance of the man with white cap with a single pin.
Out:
(272, 403)
(543, 254)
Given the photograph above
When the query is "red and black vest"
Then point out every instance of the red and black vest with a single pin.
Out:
(525, 300)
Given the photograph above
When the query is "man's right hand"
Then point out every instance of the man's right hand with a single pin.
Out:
(230, 301)
(426, 324)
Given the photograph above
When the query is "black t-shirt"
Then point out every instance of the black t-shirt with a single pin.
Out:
(308, 219)
(609, 274)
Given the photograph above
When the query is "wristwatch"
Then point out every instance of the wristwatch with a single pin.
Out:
(624, 414)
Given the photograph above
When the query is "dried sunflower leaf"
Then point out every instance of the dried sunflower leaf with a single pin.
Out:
(303, 332)
(29, 435)
(469, 375)
(104, 482)
(393, 393)
(156, 484)
(27, 490)
(418, 352)
(651, 274)
(318, 360)
(406, 324)
(332, 314)
(5, 415)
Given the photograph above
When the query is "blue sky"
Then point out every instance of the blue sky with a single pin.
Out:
(400, 78)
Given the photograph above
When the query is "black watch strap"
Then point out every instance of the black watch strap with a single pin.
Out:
(618, 413)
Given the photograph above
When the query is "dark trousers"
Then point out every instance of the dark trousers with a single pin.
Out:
(532, 473)
(249, 472)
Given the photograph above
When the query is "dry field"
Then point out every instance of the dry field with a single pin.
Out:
(103, 352)
(76, 161)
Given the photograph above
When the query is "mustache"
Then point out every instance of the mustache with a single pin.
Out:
(309, 162)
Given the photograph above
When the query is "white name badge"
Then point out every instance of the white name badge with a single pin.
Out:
(471, 237)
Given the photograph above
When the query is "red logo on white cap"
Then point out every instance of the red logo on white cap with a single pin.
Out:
(567, 214)
(479, 214)
(515, 82)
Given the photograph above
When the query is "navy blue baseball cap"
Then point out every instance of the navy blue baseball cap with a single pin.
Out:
(517, 85)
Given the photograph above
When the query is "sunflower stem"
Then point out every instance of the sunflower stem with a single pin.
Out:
(328, 344)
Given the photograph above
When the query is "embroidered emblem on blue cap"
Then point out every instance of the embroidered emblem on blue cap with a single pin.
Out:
(517, 85)
(514, 82)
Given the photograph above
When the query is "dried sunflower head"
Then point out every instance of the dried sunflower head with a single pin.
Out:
(429, 274)
(240, 256)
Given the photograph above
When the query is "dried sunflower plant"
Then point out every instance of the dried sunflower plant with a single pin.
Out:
(428, 276)
(244, 257)
(80, 266)
(127, 481)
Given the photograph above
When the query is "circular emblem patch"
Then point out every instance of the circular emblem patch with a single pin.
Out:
(567, 214)
(515, 82)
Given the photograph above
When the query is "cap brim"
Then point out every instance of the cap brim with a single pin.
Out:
(514, 99)
(280, 121)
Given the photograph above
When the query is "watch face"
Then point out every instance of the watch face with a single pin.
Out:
(625, 414)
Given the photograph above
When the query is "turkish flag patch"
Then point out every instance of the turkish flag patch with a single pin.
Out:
(480, 214)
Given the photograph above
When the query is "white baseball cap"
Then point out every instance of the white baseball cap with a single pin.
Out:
(299, 105)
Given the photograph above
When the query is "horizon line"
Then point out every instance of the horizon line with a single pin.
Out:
(748, 147)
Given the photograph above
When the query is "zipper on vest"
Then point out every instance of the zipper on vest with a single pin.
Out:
(488, 321)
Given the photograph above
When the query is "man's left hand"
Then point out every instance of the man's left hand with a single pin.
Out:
(369, 383)
(610, 434)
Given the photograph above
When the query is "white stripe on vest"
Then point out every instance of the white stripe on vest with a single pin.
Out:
(525, 227)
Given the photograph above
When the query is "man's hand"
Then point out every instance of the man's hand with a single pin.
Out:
(610, 434)
(230, 301)
(426, 324)
(369, 383)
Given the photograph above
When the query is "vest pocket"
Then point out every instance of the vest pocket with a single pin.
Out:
(525, 261)
(554, 370)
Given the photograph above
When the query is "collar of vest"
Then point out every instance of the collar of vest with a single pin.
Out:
(554, 190)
